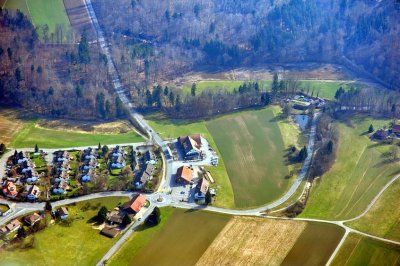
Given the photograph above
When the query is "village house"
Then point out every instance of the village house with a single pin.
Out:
(62, 213)
(380, 134)
(115, 217)
(110, 232)
(117, 158)
(396, 130)
(9, 189)
(191, 146)
(184, 175)
(12, 226)
(201, 189)
(33, 193)
(32, 219)
(145, 176)
(134, 205)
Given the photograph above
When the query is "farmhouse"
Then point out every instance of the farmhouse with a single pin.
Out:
(9, 189)
(14, 225)
(146, 175)
(115, 217)
(135, 204)
(380, 134)
(191, 146)
(201, 189)
(32, 219)
(33, 193)
(184, 175)
(396, 129)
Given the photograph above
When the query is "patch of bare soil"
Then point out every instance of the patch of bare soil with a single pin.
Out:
(303, 71)
(115, 127)
(253, 241)
(78, 17)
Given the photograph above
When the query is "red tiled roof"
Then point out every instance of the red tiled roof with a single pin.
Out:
(396, 129)
(185, 173)
(135, 204)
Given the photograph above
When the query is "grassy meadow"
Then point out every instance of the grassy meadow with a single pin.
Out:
(60, 244)
(42, 12)
(361, 169)
(182, 238)
(360, 250)
(324, 88)
(48, 138)
(383, 219)
(253, 151)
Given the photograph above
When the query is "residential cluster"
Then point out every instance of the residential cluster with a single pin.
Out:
(384, 133)
(148, 170)
(303, 102)
(121, 216)
(21, 177)
(61, 171)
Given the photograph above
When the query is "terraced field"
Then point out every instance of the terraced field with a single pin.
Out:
(361, 169)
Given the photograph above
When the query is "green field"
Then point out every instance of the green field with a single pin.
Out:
(359, 250)
(168, 129)
(383, 219)
(315, 245)
(360, 171)
(253, 151)
(47, 138)
(322, 88)
(78, 244)
(182, 239)
(42, 12)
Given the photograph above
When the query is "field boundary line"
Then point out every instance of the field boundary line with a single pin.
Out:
(338, 247)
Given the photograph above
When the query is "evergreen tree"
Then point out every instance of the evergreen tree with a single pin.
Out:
(275, 85)
(193, 89)
(119, 108)
(102, 214)
(36, 148)
(21, 232)
(104, 150)
(2, 148)
(126, 220)
(329, 147)
(208, 198)
(371, 128)
(83, 50)
(18, 74)
(154, 218)
(48, 206)
(100, 105)
(99, 146)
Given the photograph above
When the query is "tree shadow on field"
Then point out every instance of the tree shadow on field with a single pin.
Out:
(197, 208)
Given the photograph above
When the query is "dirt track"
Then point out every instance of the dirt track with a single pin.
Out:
(252, 241)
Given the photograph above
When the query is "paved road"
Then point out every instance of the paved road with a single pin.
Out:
(125, 237)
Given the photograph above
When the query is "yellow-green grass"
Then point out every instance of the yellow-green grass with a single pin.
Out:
(360, 171)
(228, 85)
(43, 12)
(383, 219)
(322, 88)
(4, 208)
(253, 150)
(182, 239)
(31, 135)
(168, 129)
(315, 244)
(78, 244)
(360, 250)
(326, 88)
(17, 4)
(139, 239)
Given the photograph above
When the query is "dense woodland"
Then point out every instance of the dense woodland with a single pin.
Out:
(155, 40)
(63, 80)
